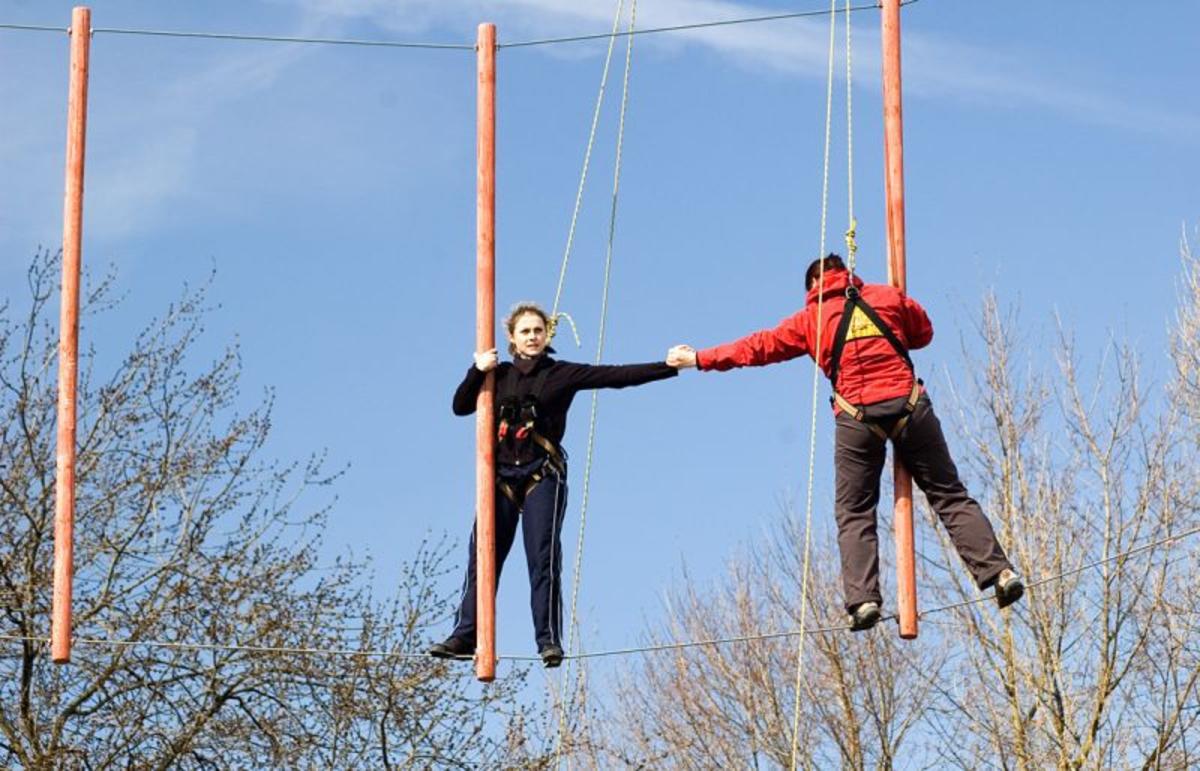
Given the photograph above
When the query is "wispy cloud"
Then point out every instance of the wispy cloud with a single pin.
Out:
(935, 67)
(143, 156)
(145, 160)
(134, 183)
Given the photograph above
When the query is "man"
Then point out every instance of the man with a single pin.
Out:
(866, 333)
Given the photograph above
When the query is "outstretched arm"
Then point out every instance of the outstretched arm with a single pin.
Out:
(585, 376)
(768, 346)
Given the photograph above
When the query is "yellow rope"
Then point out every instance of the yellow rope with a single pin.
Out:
(812, 437)
(573, 624)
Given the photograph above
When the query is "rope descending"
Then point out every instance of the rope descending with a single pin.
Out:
(812, 437)
(573, 624)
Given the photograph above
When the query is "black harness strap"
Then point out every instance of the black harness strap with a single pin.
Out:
(855, 302)
(519, 405)
(518, 497)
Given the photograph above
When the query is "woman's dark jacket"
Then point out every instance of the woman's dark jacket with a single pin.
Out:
(563, 380)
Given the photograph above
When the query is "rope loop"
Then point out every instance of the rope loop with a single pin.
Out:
(553, 327)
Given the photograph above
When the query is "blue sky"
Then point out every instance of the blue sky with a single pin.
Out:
(1051, 156)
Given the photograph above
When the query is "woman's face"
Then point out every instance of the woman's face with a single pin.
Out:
(529, 335)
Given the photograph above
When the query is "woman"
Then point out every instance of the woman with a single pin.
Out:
(533, 394)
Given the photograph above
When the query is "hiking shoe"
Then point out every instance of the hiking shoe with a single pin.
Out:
(452, 648)
(865, 616)
(552, 655)
(1009, 588)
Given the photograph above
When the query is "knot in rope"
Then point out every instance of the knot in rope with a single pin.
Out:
(553, 327)
(851, 245)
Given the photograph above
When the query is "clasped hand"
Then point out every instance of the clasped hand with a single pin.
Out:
(681, 356)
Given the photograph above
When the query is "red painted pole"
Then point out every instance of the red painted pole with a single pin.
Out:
(893, 122)
(68, 343)
(485, 340)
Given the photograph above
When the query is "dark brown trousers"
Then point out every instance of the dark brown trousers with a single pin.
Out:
(859, 456)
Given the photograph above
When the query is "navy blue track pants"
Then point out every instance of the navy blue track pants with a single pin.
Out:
(541, 519)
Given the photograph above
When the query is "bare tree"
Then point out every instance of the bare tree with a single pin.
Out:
(1092, 671)
(208, 631)
(732, 705)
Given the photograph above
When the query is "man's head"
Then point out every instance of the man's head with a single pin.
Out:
(832, 262)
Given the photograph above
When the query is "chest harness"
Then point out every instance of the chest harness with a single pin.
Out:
(517, 417)
(860, 320)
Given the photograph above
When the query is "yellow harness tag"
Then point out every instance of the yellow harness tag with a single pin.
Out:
(861, 326)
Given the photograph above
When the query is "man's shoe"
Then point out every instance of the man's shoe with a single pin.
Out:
(552, 656)
(1009, 588)
(865, 616)
(452, 648)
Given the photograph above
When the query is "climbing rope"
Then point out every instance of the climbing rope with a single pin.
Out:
(573, 623)
(587, 158)
(812, 435)
(852, 230)
(816, 356)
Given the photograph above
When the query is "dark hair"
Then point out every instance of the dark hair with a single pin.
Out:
(832, 262)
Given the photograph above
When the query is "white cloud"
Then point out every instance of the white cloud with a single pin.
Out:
(935, 67)
(144, 172)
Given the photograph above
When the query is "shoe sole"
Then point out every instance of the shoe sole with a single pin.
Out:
(1009, 596)
(442, 653)
(868, 622)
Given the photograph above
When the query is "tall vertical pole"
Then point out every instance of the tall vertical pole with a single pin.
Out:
(893, 126)
(485, 340)
(68, 342)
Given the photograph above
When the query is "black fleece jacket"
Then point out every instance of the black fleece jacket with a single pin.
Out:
(563, 380)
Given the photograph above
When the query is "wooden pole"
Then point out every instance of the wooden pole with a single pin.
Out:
(893, 121)
(68, 340)
(485, 339)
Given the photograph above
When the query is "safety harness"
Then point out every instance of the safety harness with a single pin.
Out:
(517, 423)
(860, 320)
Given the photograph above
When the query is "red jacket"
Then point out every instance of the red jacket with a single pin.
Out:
(871, 370)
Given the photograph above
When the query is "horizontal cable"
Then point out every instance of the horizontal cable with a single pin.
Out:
(595, 654)
(1073, 571)
(693, 26)
(34, 28)
(434, 46)
(704, 643)
(282, 39)
(251, 38)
